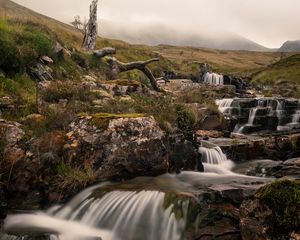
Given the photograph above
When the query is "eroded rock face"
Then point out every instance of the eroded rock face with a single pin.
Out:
(121, 147)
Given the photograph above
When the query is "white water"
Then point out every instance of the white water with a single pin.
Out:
(127, 215)
(215, 161)
(213, 79)
(273, 107)
(124, 215)
(224, 105)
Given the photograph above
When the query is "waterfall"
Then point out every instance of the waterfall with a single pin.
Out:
(296, 117)
(224, 105)
(252, 116)
(261, 114)
(126, 215)
(214, 160)
(213, 79)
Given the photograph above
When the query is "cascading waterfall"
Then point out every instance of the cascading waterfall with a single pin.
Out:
(253, 115)
(213, 79)
(224, 105)
(126, 215)
(215, 161)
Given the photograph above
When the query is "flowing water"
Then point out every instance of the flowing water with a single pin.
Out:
(142, 208)
(213, 79)
(262, 114)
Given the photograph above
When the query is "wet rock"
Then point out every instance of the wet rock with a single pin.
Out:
(3, 206)
(120, 146)
(273, 213)
(184, 156)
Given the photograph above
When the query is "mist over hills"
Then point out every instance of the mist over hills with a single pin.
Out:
(156, 34)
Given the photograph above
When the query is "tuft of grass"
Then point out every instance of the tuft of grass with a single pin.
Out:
(73, 178)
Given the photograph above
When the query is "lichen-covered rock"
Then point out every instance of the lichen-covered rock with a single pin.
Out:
(119, 146)
(273, 213)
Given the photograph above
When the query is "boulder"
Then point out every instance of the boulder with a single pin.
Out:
(120, 146)
(273, 213)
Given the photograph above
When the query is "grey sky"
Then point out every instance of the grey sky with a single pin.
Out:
(268, 22)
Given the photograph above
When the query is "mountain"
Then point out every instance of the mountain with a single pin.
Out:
(156, 34)
(290, 46)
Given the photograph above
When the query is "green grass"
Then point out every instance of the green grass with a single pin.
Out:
(20, 45)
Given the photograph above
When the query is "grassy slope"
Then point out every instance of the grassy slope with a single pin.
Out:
(222, 61)
(179, 59)
(236, 62)
(282, 77)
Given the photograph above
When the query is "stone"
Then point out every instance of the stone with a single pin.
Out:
(41, 73)
(121, 147)
(185, 156)
(47, 60)
(273, 213)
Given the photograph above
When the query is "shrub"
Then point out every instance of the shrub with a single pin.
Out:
(186, 118)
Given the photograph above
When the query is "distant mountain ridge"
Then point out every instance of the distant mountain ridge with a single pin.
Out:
(157, 34)
(290, 46)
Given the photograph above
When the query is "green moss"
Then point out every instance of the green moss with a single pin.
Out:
(125, 82)
(101, 120)
(283, 198)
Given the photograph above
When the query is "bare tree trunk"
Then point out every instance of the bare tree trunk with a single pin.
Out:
(118, 67)
(91, 30)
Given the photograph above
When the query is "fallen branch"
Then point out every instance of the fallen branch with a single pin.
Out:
(118, 67)
(105, 52)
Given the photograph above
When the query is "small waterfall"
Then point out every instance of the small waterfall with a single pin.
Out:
(252, 116)
(224, 105)
(126, 215)
(296, 117)
(213, 79)
(214, 160)
(261, 114)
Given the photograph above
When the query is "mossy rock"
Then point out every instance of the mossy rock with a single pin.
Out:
(126, 82)
(283, 198)
(101, 120)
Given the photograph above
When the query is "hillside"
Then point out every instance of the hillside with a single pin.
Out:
(290, 46)
(282, 77)
(224, 61)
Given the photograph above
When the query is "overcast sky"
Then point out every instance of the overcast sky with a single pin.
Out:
(268, 22)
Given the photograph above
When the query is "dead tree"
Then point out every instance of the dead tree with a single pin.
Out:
(91, 29)
(105, 52)
(118, 67)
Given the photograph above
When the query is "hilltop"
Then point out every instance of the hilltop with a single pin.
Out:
(290, 46)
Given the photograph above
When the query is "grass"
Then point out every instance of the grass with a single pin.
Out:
(73, 178)
(20, 45)
(282, 77)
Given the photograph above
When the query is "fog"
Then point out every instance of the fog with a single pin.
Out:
(267, 22)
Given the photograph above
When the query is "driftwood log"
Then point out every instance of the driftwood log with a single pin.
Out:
(118, 67)
(91, 29)
(105, 52)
